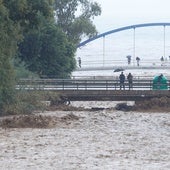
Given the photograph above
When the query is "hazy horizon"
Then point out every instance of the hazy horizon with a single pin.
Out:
(118, 13)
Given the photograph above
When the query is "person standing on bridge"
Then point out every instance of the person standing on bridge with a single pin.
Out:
(79, 62)
(122, 81)
(130, 80)
(162, 60)
(137, 60)
(129, 59)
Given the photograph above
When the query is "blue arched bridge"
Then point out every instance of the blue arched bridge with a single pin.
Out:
(164, 24)
(133, 27)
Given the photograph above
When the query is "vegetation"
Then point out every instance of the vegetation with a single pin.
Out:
(9, 33)
(74, 17)
(43, 35)
(48, 52)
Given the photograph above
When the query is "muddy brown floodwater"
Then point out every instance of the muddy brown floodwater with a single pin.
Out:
(89, 140)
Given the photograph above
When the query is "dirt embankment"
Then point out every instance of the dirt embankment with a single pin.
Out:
(155, 105)
(43, 121)
(36, 121)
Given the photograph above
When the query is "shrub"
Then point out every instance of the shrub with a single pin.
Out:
(26, 102)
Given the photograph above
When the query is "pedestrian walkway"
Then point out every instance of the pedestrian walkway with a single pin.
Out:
(120, 67)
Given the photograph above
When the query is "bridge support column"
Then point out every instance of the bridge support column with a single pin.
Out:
(164, 43)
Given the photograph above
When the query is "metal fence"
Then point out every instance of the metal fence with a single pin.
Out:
(84, 84)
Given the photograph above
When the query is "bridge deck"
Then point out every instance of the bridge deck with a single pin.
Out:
(113, 95)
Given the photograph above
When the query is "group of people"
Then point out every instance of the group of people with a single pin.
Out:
(164, 60)
(129, 59)
(122, 81)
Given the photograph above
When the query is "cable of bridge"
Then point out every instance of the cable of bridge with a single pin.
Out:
(134, 45)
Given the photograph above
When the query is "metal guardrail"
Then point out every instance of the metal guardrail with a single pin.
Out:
(114, 77)
(82, 84)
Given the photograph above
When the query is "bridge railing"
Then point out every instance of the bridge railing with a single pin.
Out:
(83, 84)
(115, 77)
(123, 62)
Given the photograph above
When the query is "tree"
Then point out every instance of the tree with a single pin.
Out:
(9, 33)
(16, 18)
(48, 52)
(30, 14)
(27, 28)
(75, 18)
(44, 48)
(33, 17)
(57, 53)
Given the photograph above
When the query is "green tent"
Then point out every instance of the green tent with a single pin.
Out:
(160, 83)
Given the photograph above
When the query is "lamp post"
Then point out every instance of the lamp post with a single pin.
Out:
(103, 51)
(164, 42)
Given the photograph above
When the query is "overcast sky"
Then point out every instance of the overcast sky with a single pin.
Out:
(118, 13)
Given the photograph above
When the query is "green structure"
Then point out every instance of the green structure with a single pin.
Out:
(160, 83)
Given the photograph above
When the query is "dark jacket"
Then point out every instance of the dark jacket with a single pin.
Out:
(122, 78)
(130, 78)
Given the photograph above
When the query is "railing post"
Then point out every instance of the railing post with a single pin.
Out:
(85, 84)
(63, 84)
(77, 85)
(106, 84)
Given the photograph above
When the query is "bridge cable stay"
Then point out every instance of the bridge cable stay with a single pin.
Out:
(103, 51)
(134, 45)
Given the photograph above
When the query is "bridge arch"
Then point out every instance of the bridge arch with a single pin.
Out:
(164, 24)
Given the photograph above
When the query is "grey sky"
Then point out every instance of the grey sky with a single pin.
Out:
(117, 13)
